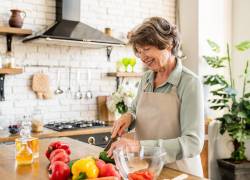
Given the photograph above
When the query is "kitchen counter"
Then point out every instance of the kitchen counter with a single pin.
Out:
(38, 170)
(5, 136)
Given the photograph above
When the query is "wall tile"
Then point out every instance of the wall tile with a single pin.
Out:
(120, 15)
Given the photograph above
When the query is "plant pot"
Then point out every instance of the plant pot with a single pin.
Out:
(230, 170)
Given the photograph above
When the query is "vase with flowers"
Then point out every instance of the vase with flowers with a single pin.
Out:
(119, 102)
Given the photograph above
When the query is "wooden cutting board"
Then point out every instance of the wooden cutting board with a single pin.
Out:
(103, 113)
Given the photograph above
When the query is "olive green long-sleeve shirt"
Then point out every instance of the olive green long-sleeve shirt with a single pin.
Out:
(190, 93)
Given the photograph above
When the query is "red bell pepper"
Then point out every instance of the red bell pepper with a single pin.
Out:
(57, 145)
(59, 171)
(66, 148)
(55, 152)
(107, 169)
(60, 156)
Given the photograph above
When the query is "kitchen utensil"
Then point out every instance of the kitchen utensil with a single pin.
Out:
(110, 143)
(40, 85)
(78, 94)
(103, 113)
(131, 160)
(68, 92)
(58, 90)
(89, 94)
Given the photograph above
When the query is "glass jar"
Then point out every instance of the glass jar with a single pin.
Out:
(37, 120)
(8, 60)
(37, 114)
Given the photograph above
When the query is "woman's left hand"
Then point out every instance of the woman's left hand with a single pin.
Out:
(132, 144)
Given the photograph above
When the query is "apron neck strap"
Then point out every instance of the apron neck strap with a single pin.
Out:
(174, 88)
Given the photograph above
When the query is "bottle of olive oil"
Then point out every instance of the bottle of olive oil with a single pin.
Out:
(24, 156)
(24, 153)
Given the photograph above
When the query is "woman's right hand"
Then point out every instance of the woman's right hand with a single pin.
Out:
(121, 124)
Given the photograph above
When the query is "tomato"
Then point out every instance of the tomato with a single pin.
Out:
(141, 175)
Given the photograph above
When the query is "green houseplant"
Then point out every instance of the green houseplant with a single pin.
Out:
(236, 119)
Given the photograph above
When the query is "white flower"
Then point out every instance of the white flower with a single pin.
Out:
(128, 101)
(120, 95)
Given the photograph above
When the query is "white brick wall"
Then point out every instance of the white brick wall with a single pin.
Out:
(120, 15)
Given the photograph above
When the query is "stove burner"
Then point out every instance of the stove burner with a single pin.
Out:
(83, 125)
(73, 125)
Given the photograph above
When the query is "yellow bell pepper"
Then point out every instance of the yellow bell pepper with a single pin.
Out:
(84, 168)
(92, 171)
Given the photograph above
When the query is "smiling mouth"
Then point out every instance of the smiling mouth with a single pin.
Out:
(148, 62)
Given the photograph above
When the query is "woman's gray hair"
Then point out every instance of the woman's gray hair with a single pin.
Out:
(158, 32)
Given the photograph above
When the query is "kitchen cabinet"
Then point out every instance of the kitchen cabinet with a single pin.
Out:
(5, 136)
(99, 139)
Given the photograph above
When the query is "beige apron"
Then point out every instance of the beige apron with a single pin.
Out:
(157, 117)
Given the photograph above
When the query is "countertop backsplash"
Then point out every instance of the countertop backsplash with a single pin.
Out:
(120, 15)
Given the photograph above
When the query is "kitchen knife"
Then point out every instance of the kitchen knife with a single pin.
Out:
(109, 143)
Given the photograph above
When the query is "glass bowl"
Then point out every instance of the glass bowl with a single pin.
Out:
(147, 162)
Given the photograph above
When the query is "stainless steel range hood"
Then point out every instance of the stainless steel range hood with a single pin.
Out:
(68, 30)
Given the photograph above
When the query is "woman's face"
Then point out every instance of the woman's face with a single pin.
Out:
(152, 57)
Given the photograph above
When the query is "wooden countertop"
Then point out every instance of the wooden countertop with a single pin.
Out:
(5, 136)
(38, 170)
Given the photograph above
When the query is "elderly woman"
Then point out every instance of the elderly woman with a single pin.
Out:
(168, 109)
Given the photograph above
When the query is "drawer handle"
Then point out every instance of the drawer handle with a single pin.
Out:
(91, 140)
(106, 138)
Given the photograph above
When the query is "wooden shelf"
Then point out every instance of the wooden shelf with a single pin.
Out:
(11, 70)
(10, 31)
(125, 74)
(3, 72)
(4, 30)
(121, 75)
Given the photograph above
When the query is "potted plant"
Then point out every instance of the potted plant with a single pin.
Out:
(236, 107)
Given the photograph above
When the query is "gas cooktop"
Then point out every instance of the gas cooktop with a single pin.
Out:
(74, 125)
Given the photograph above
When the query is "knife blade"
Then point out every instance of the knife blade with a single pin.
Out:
(109, 143)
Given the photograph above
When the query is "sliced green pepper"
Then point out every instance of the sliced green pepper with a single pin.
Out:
(104, 156)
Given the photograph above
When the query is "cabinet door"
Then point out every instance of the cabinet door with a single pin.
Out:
(100, 139)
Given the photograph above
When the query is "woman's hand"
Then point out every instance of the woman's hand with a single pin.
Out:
(131, 144)
(121, 124)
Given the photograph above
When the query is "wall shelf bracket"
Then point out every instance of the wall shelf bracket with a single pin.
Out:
(2, 77)
(9, 42)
